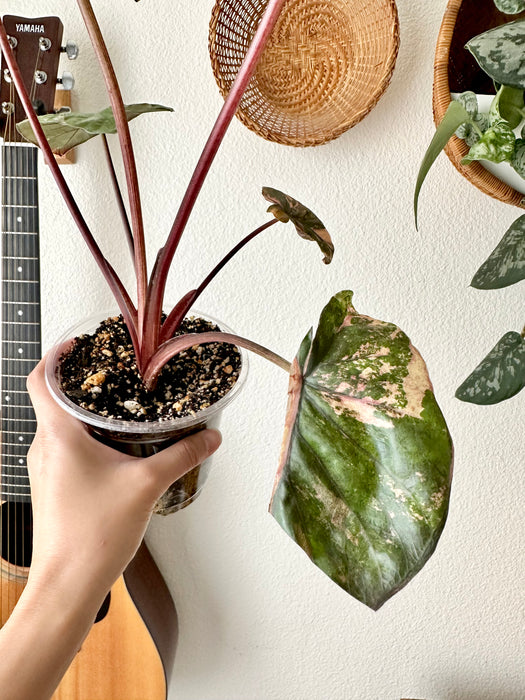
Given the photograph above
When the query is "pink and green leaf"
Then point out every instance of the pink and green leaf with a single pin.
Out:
(364, 480)
(308, 226)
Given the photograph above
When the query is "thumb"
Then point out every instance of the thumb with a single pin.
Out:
(170, 464)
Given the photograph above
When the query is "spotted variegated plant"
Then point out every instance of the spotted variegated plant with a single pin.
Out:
(365, 476)
(498, 137)
(366, 463)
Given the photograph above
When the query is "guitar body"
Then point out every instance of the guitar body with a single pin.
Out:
(128, 655)
(129, 652)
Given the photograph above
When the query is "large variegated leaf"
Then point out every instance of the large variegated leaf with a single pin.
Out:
(308, 226)
(66, 130)
(500, 53)
(499, 376)
(364, 480)
(506, 263)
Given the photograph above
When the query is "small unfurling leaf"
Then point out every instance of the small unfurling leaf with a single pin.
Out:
(308, 226)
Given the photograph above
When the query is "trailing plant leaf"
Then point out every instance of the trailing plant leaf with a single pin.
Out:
(499, 52)
(508, 105)
(364, 477)
(510, 7)
(499, 376)
(472, 136)
(66, 130)
(518, 157)
(469, 100)
(455, 115)
(496, 145)
(308, 226)
(506, 263)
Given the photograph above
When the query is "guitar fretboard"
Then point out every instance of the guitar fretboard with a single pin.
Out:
(21, 340)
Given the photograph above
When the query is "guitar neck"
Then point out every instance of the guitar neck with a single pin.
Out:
(21, 337)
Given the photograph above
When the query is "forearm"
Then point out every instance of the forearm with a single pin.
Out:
(44, 633)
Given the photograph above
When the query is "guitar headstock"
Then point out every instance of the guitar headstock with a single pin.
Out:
(36, 44)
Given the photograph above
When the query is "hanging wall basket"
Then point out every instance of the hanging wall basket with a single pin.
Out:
(325, 67)
(455, 70)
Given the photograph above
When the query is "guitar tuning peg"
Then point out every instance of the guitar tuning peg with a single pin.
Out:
(70, 49)
(67, 81)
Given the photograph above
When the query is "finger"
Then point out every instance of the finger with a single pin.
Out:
(170, 464)
(46, 408)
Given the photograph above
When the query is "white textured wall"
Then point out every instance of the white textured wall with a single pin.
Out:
(258, 621)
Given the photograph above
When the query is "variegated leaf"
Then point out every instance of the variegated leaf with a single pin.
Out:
(496, 145)
(506, 263)
(469, 100)
(364, 478)
(500, 53)
(66, 130)
(518, 157)
(508, 105)
(308, 226)
(499, 376)
(510, 7)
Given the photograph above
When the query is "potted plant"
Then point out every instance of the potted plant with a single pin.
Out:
(494, 135)
(363, 482)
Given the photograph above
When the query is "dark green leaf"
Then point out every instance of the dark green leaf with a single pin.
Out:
(508, 105)
(500, 53)
(510, 7)
(506, 263)
(364, 480)
(496, 145)
(308, 226)
(66, 130)
(518, 157)
(455, 115)
(499, 376)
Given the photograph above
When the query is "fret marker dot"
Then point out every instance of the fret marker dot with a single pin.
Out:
(20, 461)
(20, 351)
(20, 313)
(19, 219)
(20, 438)
(8, 398)
(19, 268)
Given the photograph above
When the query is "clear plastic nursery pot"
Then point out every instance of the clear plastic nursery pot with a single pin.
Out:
(143, 439)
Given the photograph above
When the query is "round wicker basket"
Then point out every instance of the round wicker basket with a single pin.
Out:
(456, 71)
(326, 64)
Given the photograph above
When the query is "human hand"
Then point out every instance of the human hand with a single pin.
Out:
(91, 503)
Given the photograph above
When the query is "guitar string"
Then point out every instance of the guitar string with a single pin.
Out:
(13, 194)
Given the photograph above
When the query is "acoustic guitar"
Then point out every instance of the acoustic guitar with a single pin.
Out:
(129, 652)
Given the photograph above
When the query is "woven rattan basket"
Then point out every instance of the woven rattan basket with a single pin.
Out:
(456, 71)
(326, 64)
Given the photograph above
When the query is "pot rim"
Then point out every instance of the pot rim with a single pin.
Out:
(52, 374)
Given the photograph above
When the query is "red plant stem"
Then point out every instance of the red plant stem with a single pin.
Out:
(118, 195)
(158, 279)
(119, 292)
(128, 156)
(174, 319)
(182, 342)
